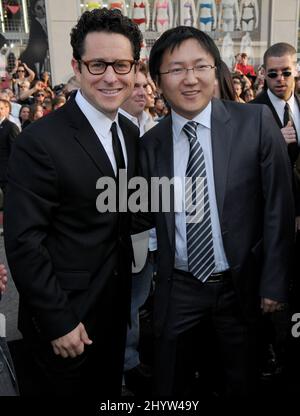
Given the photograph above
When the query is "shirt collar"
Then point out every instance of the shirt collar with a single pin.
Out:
(279, 102)
(94, 116)
(203, 118)
(130, 117)
(140, 121)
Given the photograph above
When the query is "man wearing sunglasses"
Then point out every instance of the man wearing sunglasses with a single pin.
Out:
(280, 71)
(70, 262)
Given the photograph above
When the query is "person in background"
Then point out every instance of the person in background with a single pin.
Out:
(280, 70)
(243, 67)
(3, 278)
(248, 95)
(25, 116)
(136, 373)
(8, 133)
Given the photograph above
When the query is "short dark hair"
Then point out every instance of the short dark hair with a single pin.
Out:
(173, 38)
(104, 20)
(278, 50)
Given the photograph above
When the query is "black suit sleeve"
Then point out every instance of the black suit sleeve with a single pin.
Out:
(15, 131)
(31, 198)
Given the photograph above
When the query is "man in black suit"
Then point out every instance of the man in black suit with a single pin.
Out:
(72, 264)
(224, 244)
(280, 71)
(8, 133)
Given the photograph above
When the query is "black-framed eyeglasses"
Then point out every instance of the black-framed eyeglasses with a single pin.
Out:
(274, 74)
(98, 67)
(198, 69)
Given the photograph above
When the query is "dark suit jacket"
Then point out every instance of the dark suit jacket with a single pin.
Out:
(263, 98)
(8, 133)
(254, 199)
(60, 249)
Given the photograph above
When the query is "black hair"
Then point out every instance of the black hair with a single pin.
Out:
(104, 20)
(172, 39)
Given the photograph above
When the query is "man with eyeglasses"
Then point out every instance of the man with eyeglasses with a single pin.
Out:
(280, 62)
(70, 262)
(223, 246)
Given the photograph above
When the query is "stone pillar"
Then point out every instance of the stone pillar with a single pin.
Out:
(61, 17)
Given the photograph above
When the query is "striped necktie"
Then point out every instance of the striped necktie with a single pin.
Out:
(198, 221)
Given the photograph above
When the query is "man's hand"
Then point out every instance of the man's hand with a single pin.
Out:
(289, 133)
(72, 344)
(269, 305)
(3, 278)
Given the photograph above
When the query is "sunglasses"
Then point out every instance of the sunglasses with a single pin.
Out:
(40, 94)
(274, 74)
(20, 70)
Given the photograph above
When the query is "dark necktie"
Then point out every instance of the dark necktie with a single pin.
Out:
(293, 149)
(198, 221)
(117, 148)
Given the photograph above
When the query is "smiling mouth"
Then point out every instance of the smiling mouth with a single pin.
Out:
(190, 93)
(110, 92)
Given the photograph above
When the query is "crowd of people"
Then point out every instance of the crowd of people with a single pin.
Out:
(222, 266)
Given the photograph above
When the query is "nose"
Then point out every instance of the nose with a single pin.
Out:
(109, 75)
(190, 77)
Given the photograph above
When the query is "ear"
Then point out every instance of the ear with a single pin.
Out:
(76, 68)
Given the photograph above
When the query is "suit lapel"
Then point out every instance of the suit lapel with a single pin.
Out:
(221, 136)
(272, 108)
(87, 138)
(165, 167)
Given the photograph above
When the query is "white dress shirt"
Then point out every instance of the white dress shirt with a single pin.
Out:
(181, 156)
(101, 125)
(279, 105)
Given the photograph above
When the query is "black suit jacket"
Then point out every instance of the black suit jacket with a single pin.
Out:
(60, 249)
(8, 133)
(254, 199)
(263, 98)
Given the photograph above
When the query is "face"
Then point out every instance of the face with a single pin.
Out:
(282, 87)
(21, 72)
(136, 103)
(39, 97)
(4, 110)
(39, 9)
(249, 95)
(244, 60)
(189, 93)
(149, 97)
(39, 112)
(237, 87)
(106, 92)
(24, 114)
